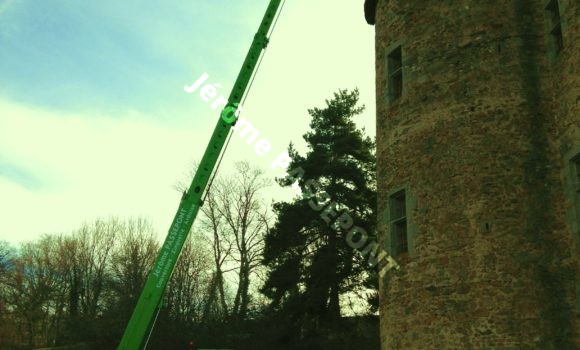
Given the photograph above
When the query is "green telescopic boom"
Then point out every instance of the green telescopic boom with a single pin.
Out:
(141, 320)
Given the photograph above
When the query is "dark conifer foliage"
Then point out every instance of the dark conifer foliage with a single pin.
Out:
(311, 264)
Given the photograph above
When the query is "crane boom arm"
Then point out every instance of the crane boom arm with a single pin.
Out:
(134, 336)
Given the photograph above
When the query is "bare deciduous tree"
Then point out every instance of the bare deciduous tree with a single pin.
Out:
(185, 295)
(95, 242)
(131, 260)
(212, 221)
(246, 217)
(29, 289)
(235, 218)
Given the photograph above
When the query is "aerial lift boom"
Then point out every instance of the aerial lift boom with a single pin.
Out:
(150, 299)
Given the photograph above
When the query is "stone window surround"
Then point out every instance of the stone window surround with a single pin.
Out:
(387, 98)
(551, 51)
(571, 187)
(395, 72)
(397, 220)
(410, 208)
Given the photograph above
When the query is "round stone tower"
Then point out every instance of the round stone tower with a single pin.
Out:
(478, 141)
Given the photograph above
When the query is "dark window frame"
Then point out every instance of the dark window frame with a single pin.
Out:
(555, 26)
(398, 220)
(395, 73)
(576, 174)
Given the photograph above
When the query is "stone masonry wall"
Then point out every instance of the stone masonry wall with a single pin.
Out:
(479, 139)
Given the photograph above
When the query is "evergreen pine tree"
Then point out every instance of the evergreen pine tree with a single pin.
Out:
(310, 263)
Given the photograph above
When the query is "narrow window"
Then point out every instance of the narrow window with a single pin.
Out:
(574, 193)
(398, 219)
(555, 26)
(395, 69)
(572, 174)
(576, 170)
(576, 188)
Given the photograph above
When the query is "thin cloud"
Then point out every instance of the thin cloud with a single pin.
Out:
(4, 5)
(92, 110)
(68, 167)
(114, 56)
(20, 175)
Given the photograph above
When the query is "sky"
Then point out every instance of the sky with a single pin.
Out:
(94, 120)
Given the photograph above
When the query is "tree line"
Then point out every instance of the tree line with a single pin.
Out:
(250, 276)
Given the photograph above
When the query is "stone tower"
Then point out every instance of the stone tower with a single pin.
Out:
(478, 148)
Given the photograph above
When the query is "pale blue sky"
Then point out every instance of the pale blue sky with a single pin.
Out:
(117, 55)
(93, 117)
